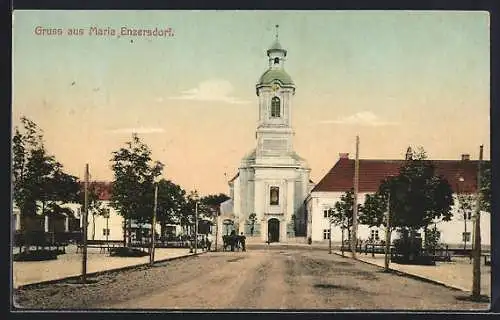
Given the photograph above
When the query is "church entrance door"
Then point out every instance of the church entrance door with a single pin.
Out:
(273, 228)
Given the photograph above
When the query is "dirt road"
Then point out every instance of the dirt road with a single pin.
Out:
(269, 278)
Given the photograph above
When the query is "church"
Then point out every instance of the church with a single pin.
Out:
(268, 192)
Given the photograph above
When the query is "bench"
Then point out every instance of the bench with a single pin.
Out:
(102, 246)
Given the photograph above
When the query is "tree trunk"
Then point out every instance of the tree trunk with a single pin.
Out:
(162, 230)
(93, 226)
(426, 241)
(124, 228)
(129, 231)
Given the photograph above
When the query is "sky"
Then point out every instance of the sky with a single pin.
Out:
(395, 78)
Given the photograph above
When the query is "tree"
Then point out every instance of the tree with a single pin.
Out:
(38, 179)
(133, 185)
(252, 218)
(95, 207)
(417, 196)
(342, 213)
(486, 186)
(171, 201)
(25, 142)
(214, 199)
(420, 196)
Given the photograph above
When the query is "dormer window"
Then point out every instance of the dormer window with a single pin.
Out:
(275, 107)
(276, 60)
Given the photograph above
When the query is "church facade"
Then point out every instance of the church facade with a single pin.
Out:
(268, 192)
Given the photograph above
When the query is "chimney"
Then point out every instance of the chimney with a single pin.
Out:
(344, 155)
(465, 157)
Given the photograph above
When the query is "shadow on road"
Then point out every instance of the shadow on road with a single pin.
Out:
(332, 287)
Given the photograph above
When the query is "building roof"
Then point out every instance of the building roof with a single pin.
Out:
(103, 189)
(272, 75)
(340, 178)
(276, 46)
(234, 178)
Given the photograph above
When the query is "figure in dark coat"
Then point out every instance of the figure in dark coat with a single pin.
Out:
(242, 241)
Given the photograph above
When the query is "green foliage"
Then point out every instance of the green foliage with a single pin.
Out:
(252, 218)
(214, 199)
(171, 201)
(486, 186)
(342, 213)
(133, 185)
(417, 196)
(432, 237)
(466, 205)
(38, 179)
(373, 210)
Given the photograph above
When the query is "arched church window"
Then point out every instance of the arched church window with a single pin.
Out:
(274, 196)
(275, 107)
(276, 60)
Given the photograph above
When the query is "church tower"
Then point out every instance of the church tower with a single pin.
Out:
(275, 90)
(272, 183)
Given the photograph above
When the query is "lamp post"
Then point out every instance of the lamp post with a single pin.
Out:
(476, 270)
(84, 225)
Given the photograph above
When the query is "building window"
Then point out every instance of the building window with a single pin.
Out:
(276, 60)
(105, 232)
(326, 234)
(275, 107)
(374, 235)
(325, 213)
(466, 236)
(275, 196)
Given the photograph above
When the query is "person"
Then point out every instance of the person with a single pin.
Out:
(232, 240)
(242, 241)
(209, 241)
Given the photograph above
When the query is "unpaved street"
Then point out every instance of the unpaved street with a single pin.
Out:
(265, 278)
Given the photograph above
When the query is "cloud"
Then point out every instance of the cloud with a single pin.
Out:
(364, 118)
(211, 90)
(141, 130)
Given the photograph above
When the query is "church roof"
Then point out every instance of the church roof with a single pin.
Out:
(297, 157)
(340, 178)
(251, 155)
(276, 46)
(275, 74)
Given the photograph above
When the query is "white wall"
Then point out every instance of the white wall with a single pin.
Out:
(115, 224)
(319, 201)
(451, 232)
